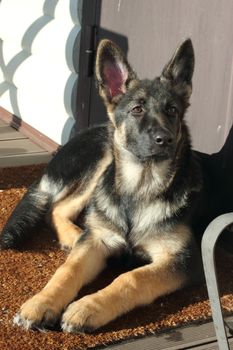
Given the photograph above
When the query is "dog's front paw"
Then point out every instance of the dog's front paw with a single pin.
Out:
(84, 315)
(37, 312)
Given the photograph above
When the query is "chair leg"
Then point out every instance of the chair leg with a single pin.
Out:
(209, 240)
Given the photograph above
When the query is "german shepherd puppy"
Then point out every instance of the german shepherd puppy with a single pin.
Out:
(139, 182)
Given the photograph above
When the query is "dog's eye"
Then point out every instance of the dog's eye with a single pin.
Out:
(172, 111)
(137, 110)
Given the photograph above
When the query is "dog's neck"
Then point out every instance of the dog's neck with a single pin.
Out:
(141, 178)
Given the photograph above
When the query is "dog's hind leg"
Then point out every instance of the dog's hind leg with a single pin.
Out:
(65, 211)
(63, 215)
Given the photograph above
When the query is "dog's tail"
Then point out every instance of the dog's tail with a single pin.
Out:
(27, 217)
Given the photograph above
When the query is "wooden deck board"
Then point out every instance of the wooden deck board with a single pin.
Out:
(16, 149)
(2, 123)
(199, 337)
(8, 133)
(213, 346)
(18, 146)
(25, 159)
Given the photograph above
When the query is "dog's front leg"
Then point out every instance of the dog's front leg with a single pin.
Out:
(137, 287)
(84, 262)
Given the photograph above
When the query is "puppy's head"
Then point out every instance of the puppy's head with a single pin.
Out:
(147, 114)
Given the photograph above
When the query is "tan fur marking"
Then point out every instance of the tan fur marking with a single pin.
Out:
(104, 233)
(82, 265)
(129, 169)
(137, 287)
(65, 211)
(67, 232)
(155, 179)
(147, 217)
(167, 244)
(111, 116)
(133, 84)
(120, 136)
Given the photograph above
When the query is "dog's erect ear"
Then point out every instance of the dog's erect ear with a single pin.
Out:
(113, 72)
(180, 68)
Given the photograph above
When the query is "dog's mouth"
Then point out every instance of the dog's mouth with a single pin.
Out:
(162, 156)
(158, 155)
(145, 151)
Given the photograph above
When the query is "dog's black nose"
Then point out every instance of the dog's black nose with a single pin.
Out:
(163, 139)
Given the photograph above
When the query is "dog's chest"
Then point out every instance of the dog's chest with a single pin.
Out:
(134, 213)
(143, 218)
(131, 216)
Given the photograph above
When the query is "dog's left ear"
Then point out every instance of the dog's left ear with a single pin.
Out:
(113, 72)
(179, 69)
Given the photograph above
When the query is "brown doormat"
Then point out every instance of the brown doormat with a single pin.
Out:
(23, 273)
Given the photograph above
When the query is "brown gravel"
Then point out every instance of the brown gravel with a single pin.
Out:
(23, 273)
